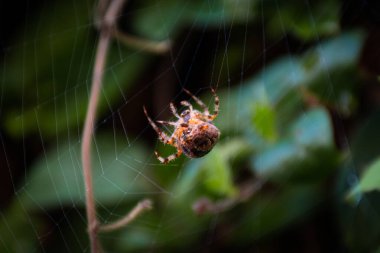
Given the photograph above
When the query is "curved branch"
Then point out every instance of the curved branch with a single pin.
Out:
(142, 206)
(88, 131)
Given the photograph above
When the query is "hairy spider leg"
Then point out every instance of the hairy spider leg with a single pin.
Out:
(186, 103)
(204, 107)
(199, 102)
(163, 137)
(216, 106)
(168, 159)
(169, 123)
(174, 110)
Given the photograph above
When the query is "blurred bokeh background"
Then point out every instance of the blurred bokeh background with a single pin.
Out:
(296, 169)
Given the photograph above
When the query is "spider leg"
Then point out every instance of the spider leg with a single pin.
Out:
(166, 123)
(186, 103)
(174, 110)
(198, 101)
(163, 137)
(216, 106)
(168, 159)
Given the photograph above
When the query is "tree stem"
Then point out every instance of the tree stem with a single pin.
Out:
(88, 133)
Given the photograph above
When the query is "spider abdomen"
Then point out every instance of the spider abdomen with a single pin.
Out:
(198, 140)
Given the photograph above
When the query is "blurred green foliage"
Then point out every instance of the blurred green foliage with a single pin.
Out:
(369, 181)
(307, 21)
(277, 129)
(60, 170)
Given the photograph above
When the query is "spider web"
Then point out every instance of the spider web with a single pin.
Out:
(274, 77)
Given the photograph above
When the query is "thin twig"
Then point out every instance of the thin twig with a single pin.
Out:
(142, 206)
(246, 191)
(88, 131)
(157, 47)
(105, 20)
(87, 137)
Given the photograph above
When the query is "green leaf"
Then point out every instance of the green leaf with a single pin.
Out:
(369, 181)
(235, 149)
(219, 12)
(306, 153)
(163, 19)
(328, 70)
(216, 168)
(264, 121)
(158, 21)
(358, 217)
(313, 129)
(57, 180)
(190, 180)
(357, 195)
(305, 20)
(214, 171)
(330, 63)
(217, 174)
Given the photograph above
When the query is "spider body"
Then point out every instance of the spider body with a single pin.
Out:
(197, 138)
(194, 134)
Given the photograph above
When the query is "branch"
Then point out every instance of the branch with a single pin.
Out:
(88, 131)
(157, 47)
(105, 20)
(247, 190)
(142, 206)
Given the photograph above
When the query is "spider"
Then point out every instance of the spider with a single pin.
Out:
(194, 135)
